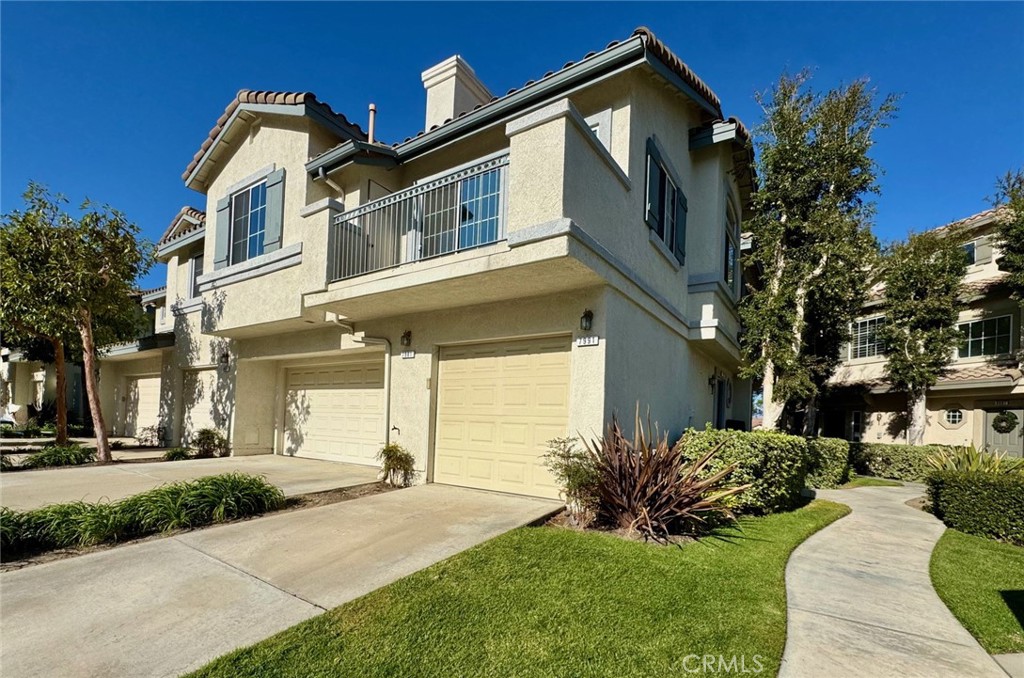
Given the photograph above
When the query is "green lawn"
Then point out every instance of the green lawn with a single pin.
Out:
(864, 481)
(982, 583)
(546, 601)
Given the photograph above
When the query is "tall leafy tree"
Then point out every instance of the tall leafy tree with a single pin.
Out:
(27, 318)
(923, 280)
(78, 273)
(811, 234)
(1010, 230)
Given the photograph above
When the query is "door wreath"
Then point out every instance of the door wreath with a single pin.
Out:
(1004, 422)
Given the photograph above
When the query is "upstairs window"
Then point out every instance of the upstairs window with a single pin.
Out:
(195, 270)
(731, 265)
(970, 253)
(864, 342)
(665, 211)
(989, 336)
(248, 222)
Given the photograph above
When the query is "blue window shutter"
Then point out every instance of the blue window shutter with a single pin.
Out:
(275, 211)
(681, 208)
(222, 234)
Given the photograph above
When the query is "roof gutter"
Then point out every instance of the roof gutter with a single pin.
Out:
(627, 52)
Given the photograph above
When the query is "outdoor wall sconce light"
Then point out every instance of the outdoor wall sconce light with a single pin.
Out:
(407, 338)
(711, 383)
(587, 320)
(224, 360)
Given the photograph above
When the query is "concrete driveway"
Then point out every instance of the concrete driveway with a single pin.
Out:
(168, 606)
(32, 489)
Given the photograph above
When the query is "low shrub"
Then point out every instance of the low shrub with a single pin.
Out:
(576, 473)
(59, 455)
(828, 462)
(398, 467)
(971, 459)
(209, 443)
(117, 445)
(5, 463)
(149, 436)
(899, 462)
(773, 464)
(182, 505)
(177, 454)
(984, 504)
(649, 487)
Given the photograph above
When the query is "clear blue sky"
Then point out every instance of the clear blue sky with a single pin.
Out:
(110, 101)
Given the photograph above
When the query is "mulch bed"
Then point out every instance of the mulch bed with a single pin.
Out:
(561, 520)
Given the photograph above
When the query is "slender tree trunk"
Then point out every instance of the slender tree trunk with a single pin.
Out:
(772, 409)
(811, 417)
(918, 413)
(92, 387)
(60, 368)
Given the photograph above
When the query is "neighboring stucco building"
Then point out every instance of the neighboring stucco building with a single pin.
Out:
(526, 267)
(29, 385)
(984, 378)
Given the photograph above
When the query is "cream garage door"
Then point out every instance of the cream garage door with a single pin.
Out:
(200, 399)
(335, 412)
(142, 404)
(498, 405)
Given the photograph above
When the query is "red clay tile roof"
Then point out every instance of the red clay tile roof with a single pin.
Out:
(982, 372)
(185, 211)
(246, 96)
(668, 57)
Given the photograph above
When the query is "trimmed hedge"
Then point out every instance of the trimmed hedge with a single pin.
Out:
(181, 505)
(899, 462)
(983, 504)
(829, 460)
(775, 464)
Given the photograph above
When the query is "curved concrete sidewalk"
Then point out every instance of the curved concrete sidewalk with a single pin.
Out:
(861, 602)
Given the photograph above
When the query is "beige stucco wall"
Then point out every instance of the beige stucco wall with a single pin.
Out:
(114, 376)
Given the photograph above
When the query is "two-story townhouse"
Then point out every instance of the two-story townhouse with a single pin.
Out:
(983, 380)
(524, 268)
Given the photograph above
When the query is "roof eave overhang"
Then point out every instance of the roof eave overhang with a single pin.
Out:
(153, 296)
(628, 54)
(961, 385)
(353, 151)
(165, 250)
(311, 111)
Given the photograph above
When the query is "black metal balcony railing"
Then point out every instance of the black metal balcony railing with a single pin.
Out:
(459, 211)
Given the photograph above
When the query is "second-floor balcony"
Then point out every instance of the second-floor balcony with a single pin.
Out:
(455, 212)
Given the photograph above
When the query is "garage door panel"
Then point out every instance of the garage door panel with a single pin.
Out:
(498, 406)
(335, 412)
(142, 404)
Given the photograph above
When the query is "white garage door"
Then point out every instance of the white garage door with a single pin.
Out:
(498, 405)
(335, 412)
(142, 404)
(200, 400)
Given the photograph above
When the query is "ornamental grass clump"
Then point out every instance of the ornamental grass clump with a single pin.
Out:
(175, 506)
(59, 455)
(969, 459)
(649, 488)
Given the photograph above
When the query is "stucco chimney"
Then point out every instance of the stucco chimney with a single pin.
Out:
(452, 88)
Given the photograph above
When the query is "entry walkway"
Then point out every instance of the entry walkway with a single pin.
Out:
(861, 602)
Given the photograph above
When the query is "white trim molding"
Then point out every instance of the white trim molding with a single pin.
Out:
(286, 257)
